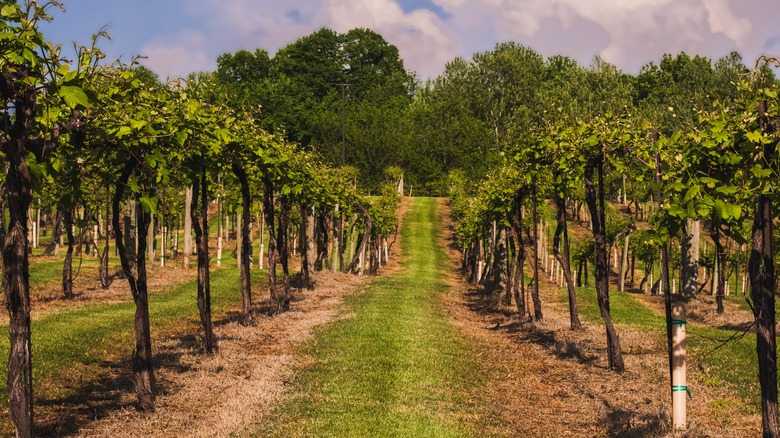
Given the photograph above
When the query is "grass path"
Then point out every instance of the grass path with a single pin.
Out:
(395, 366)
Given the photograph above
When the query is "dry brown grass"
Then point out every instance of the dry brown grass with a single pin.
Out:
(225, 393)
(546, 380)
(228, 392)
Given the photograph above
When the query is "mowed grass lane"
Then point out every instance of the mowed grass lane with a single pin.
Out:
(394, 367)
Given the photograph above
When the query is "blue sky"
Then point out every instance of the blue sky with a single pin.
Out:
(181, 36)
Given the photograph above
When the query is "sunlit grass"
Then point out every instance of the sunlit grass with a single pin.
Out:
(396, 368)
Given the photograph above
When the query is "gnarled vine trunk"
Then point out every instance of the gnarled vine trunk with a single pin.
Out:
(199, 189)
(595, 202)
(763, 281)
(363, 239)
(562, 239)
(518, 283)
(143, 376)
(246, 244)
(538, 316)
(67, 265)
(281, 300)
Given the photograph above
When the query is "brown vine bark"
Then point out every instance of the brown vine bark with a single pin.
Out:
(246, 244)
(55, 235)
(200, 190)
(518, 283)
(143, 376)
(595, 201)
(105, 281)
(16, 274)
(763, 282)
(281, 300)
(561, 238)
(363, 239)
(535, 290)
(67, 265)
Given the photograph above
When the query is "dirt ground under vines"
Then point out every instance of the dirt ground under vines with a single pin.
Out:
(550, 381)
(544, 380)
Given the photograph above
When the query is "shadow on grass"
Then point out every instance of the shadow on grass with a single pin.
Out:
(486, 303)
(93, 400)
(624, 423)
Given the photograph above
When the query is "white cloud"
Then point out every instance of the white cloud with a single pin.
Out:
(419, 35)
(178, 55)
(629, 33)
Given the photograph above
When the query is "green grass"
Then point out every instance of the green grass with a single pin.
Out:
(733, 365)
(624, 308)
(396, 368)
(89, 339)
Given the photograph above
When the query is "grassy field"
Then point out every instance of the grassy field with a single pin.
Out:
(395, 367)
(732, 363)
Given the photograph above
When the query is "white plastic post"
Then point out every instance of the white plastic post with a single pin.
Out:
(560, 275)
(726, 287)
(219, 251)
(163, 241)
(95, 238)
(679, 386)
(480, 266)
(744, 283)
(614, 258)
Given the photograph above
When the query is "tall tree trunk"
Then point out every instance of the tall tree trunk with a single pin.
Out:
(596, 207)
(246, 244)
(511, 265)
(562, 236)
(67, 265)
(143, 376)
(199, 189)
(763, 282)
(310, 243)
(535, 291)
